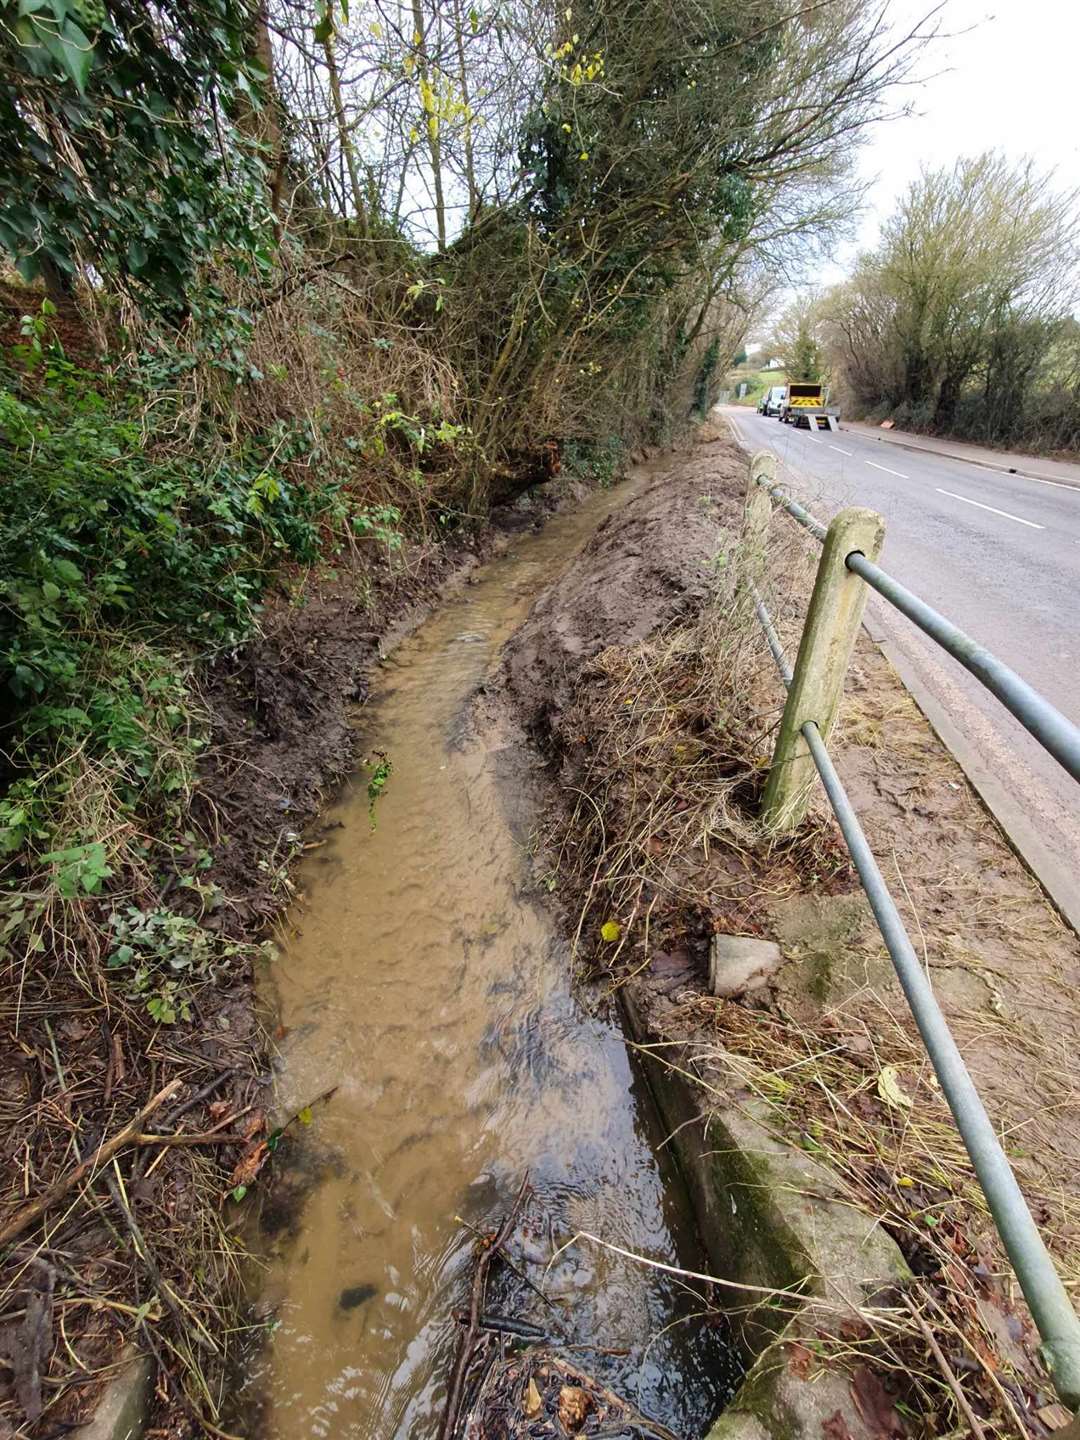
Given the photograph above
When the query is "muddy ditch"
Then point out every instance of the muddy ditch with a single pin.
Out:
(424, 990)
(148, 1257)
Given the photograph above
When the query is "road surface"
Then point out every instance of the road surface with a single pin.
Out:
(999, 555)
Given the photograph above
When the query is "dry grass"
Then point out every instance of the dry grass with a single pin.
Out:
(664, 750)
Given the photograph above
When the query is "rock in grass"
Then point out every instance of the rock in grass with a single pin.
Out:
(355, 1295)
(741, 963)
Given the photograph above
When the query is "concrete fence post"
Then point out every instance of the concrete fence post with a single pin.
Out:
(832, 623)
(757, 513)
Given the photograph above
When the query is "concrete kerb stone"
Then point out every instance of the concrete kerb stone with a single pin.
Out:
(125, 1403)
(772, 1217)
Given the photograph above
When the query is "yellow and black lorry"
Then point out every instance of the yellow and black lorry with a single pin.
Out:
(807, 403)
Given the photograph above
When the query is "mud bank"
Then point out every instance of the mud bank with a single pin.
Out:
(811, 1174)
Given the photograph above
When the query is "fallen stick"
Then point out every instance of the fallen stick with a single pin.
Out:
(24, 1218)
(467, 1341)
(946, 1371)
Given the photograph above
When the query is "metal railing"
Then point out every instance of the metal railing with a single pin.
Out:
(828, 636)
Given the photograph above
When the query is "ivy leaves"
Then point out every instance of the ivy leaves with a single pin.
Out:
(55, 27)
(121, 143)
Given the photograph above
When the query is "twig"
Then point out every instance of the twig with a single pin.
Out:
(467, 1342)
(24, 1218)
(946, 1370)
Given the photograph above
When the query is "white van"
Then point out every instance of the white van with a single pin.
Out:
(773, 400)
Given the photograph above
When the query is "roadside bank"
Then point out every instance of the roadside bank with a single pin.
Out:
(656, 753)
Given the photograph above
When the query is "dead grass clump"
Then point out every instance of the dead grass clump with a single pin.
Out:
(862, 1100)
(665, 752)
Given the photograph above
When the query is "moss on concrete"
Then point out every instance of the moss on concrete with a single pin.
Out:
(771, 1217)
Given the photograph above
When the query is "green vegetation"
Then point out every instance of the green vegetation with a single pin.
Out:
(329, 280)
(961, 320)
(756, 382)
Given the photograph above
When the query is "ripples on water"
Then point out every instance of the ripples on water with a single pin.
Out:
(424, 983)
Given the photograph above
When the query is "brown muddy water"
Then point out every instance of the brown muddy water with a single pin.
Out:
(424, 978)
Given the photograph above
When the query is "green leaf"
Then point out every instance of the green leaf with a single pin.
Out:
(238, 1192)
(50, 591)
(76, 55)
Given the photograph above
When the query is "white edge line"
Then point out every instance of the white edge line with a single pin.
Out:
(993, 510)
(899, 474)
(848, 453)
(1035, 479)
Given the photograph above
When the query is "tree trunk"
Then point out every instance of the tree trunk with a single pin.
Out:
(343, 135)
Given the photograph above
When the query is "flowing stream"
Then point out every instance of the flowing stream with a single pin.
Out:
(424, 978)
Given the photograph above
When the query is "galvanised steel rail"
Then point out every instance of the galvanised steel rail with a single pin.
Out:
(1054, 731)
(1047, 1298)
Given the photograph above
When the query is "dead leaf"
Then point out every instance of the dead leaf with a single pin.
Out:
(874, 1404)
(835, 1428)
(574, 1405)
(218, 1109)
(530, 1403)
(890, 1089)
(255, 1125)
(799, 1358)
(249, 1164)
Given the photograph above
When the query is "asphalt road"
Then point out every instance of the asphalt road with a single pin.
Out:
(999, 555)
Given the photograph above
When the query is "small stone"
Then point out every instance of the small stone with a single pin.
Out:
(739, 964)
(356, 1295)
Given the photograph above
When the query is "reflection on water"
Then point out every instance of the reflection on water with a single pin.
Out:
(425, 983)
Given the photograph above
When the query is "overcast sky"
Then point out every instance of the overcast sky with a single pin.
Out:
(1007, 77)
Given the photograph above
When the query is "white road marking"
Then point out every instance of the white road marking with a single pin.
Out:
(1038, 480)
(874, 466)
(993, 511)
(849, 453)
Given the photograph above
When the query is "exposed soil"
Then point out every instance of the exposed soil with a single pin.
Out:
(657, 723)
(147, 1253)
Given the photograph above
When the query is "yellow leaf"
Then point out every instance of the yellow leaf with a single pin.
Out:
(584, 155)
(376, 30)
(567, 128)
(890, 1089)
(305, 1116)
(530, 1402)
(905, 1182)
(610, 931)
